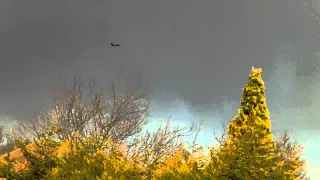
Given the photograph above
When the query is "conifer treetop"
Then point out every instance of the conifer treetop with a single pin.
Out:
(253, 113)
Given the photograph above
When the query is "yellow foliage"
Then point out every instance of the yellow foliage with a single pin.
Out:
(248, 153)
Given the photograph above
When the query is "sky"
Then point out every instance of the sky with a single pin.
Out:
(192, 57)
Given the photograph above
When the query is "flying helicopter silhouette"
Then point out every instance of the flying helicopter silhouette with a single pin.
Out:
(114, 45)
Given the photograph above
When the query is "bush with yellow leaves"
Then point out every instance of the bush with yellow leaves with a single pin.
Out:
(107, 144)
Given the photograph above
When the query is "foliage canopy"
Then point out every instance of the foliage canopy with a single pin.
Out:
(102, 140)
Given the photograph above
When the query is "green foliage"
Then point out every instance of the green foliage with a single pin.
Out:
(290, 164)
(82, 163)
(248, 152)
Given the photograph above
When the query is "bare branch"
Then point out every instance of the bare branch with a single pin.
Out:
(112, 117)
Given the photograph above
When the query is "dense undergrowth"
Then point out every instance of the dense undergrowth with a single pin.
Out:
(103, 141)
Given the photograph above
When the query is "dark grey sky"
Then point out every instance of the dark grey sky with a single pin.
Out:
(200, 51)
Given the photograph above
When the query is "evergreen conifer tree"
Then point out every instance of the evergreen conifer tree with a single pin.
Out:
(249, 151)
(250, 131)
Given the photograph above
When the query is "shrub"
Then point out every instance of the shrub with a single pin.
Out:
(102, 140)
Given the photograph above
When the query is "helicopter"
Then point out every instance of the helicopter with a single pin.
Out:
(114, 45)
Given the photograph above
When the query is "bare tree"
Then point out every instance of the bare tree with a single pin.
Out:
(115, 116)
(119, 118)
